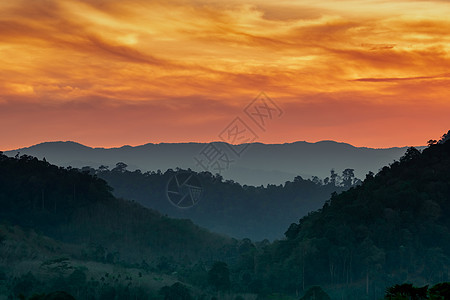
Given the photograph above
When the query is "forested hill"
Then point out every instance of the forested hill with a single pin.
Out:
(393, 228)
(226, 206)
(77, 208)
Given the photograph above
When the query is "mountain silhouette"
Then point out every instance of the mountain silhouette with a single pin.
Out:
(259, 164)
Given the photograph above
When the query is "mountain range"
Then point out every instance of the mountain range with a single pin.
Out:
(251, 164)
(62, 230)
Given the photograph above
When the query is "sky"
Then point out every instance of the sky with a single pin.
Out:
(108, 73)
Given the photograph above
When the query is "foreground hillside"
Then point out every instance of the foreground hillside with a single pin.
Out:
(76, 207)
(393, 228)
(34, 264)
(60, 225)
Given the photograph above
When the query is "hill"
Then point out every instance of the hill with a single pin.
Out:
(34, 264)
(75, 207)
(225, 206)
(392, 228)
(259, 164)
(62, 229)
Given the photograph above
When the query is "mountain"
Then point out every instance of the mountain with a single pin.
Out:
(254, 164)
(393, 228)
(61, 229)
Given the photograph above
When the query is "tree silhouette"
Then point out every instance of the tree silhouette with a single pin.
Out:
(411, 153)
(120, 167)
(445, 138)
(333, 177)
(406, 291)
(431, 142)
(348, 176)
(440, 291)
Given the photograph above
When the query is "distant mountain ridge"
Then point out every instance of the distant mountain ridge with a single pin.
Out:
(259, 164)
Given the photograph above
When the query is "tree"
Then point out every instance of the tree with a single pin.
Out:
(440, 291)
(369, 175)
(373, 259)
(444, 138)
(406, 291)
(120, 167)
(88, 170)
(411, 153)
(316, 180)
(292, 231)
(348, 175)
(103, 168)
(333, 177)
(219, 276)
(298, 178)
(431, 143)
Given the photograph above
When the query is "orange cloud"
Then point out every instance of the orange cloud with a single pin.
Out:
(177, 65)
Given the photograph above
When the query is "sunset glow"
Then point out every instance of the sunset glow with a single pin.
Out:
(109, 73)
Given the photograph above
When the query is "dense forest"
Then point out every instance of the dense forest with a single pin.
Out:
(76, 207)
(57, 223)
(63, 231)
(226, 206)
(393, 228)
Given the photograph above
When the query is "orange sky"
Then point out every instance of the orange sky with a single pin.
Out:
(109, 72)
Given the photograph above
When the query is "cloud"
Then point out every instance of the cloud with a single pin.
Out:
(164, 54)
(393, 79)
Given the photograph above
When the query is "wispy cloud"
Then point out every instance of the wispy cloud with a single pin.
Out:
(160, 54)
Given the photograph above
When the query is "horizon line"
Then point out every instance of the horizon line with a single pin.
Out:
(195, 142)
